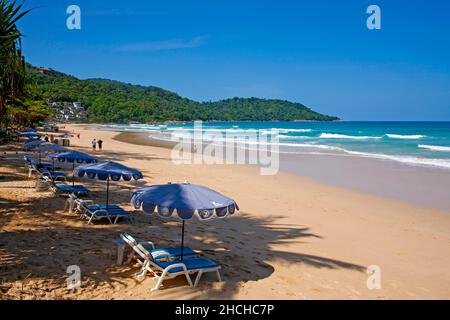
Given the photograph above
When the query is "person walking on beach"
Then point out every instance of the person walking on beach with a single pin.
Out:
(99, 142)
(94, 144)
(46, 138)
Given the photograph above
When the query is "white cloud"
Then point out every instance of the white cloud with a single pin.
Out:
(161, 45)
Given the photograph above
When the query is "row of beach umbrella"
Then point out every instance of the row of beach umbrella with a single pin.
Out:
(184, 199)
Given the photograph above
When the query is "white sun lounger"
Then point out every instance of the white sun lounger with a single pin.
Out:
(149, 248)
(169, 269)
(54, 175)
(93, 212)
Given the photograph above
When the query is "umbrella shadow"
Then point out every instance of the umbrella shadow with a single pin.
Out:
(40, 244)
(44, 241)
(244, 245)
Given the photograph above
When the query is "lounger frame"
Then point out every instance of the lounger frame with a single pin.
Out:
(82, 206)
(149, 265)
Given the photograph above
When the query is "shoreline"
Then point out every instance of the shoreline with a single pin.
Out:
(422, 186)
(294, 238)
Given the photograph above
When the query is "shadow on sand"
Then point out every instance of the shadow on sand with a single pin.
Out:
(44, 241)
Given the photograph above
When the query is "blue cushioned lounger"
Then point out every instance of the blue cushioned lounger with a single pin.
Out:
(168, 268)
(191, 264)
(67, 188)
(94, 212)
(174, 252)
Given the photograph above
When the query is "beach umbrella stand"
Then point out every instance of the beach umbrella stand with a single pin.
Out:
(72, 157)
(186, 200)
(48, 147)
(108, 171)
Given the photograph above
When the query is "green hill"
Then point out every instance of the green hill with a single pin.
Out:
(114, 101)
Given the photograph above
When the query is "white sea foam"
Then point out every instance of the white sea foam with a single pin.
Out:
(434, 148)
(287, 130)
(405, 136)
(442, 163)
(344, 136)
(285, 136)
(410, 160)
(217, 130)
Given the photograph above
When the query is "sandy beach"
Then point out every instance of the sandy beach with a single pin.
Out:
(294, 238)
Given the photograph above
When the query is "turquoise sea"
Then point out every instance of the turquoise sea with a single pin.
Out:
(413, 143)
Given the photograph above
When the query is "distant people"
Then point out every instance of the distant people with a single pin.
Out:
(99, 142)
(52, 138)
(94, 144)
(46, 138)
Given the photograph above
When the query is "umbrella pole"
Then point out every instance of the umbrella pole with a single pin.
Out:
(73, 174)
(53, 164)
(182, 240)
(107, 192)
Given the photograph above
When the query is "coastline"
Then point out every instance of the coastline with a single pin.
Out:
(422, 186)
(294, 238)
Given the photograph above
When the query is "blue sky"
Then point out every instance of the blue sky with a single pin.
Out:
(319, 53)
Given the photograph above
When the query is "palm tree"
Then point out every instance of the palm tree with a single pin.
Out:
(12, 63)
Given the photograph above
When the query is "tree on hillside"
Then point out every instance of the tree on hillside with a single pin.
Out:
(12, 63)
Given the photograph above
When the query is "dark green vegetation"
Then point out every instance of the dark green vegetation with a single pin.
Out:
(114, 101)
(25, 91)
(20, 106)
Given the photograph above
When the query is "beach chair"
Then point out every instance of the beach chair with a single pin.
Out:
(63, 189)
(31, 169)
(68, 189)
(150, 250)
(92, 212)
(54, 175)
(35, 163)
(75, 204)
(163, 269)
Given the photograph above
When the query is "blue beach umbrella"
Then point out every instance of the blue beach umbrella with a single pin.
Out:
(64, 136)
(106, 171)
(30, 144)
(72, 157)
(49, 147)
(29, 134)
(186, 200)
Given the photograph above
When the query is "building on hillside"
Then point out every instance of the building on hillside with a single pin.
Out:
(42, 70)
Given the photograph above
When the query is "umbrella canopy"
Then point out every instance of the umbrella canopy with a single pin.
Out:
(106, 171)
(64, 136)
(30, 144)
(48, 147)
(72, 157)
(186, 199)
(29, 134)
